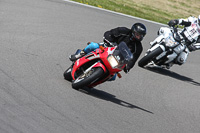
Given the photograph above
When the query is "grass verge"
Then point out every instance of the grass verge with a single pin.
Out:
(155, 10)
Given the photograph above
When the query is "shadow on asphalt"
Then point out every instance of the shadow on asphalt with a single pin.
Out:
(173, 75)
(109, 97)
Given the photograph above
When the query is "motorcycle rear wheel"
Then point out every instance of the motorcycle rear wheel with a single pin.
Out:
(146, 59)
(86, 79)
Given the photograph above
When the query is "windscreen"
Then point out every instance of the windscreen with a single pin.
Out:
(122, 53)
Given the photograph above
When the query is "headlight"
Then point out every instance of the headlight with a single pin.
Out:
(113, 62)
(170, 42)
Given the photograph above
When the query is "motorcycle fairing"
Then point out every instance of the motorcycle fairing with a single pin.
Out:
(86, 59)
(110, 51)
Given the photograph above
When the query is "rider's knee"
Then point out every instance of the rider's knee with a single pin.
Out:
(91, 47)
(181, 59)
(113, 78)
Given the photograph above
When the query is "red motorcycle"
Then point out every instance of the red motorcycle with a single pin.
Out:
(98, 66)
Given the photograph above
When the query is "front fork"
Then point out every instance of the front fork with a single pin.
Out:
(179, 53)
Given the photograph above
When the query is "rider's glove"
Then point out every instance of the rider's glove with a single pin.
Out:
(172, 23)
(126, 69)
(191, 47)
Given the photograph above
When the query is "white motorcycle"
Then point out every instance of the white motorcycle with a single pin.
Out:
(167, 49)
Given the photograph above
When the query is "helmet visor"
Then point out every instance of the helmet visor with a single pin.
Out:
(199, 20)
(137, 36)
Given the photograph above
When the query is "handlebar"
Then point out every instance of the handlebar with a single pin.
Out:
(108, 42)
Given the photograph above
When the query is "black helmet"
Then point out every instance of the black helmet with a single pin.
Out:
(138, 31)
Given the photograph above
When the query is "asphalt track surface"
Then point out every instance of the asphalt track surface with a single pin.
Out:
(36, 38)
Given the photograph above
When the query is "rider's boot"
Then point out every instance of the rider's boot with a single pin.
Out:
(79, 53)
(168, 66)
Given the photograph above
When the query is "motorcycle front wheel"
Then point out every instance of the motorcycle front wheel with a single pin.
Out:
(67, 74)
(87, 78)
(148, 58)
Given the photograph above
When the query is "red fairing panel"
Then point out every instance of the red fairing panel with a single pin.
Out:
(86, 59)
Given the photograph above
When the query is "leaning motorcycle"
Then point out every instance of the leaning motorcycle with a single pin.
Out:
(167, 49)
(98, 66)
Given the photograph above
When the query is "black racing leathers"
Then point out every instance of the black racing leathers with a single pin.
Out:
(120, 34)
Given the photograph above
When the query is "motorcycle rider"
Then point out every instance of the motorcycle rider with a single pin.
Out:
(132, 37)
(190, 33)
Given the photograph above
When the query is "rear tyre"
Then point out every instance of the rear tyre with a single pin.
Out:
(88, 78)
(67, 74)
(146, 59)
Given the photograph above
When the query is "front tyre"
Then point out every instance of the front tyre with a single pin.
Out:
(148, 58)
(67, 74)
(87, 78)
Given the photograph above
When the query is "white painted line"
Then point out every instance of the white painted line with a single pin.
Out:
(114, 12)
